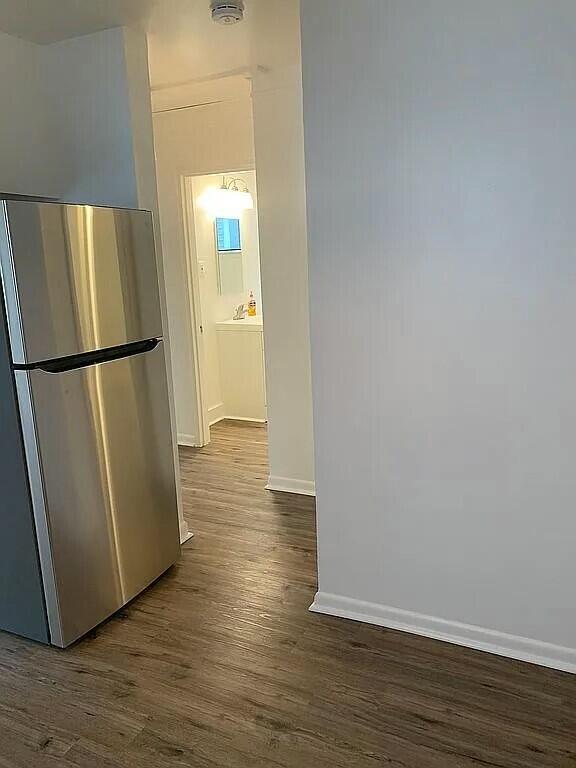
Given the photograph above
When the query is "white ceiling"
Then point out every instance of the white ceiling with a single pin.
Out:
(184, 42)
(47, 21)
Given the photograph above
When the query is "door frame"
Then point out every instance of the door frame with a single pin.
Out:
(193, 293)
(195, 309)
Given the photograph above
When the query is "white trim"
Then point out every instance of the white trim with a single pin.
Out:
(291, 485)
(248, 419)
(185, 533)
(216, 413)
(190, 441)
(193, 304)
(194, 309)
(479, 638)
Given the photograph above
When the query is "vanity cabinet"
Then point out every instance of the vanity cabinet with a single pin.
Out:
(242, 377)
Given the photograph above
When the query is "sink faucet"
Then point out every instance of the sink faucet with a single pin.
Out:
(240, 312)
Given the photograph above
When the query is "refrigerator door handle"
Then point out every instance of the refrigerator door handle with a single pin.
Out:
(86, 359)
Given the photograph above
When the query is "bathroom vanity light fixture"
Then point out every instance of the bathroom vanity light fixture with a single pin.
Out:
(228, 200)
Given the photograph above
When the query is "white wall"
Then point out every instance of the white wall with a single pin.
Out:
(223, 305)
(28, 164)
(91, 118)
(67, 128)
(216, 307)
(206, 139)
(142, 130)
(279, 141)
(441, 171)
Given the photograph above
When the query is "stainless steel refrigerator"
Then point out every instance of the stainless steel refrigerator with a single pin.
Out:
(88, 503)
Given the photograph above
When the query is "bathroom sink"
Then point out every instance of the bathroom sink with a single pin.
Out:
(248, 323)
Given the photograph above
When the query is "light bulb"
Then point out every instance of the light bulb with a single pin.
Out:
(219, 202)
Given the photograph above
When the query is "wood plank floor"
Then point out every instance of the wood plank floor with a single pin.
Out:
(220, 663)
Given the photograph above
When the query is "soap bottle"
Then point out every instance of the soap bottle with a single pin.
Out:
(252, 305)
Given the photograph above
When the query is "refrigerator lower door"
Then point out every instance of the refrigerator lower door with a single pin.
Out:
(99, 451)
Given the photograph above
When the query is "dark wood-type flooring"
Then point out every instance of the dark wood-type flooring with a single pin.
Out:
(220, 663)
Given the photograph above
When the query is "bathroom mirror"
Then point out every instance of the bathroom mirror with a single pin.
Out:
(229, 256)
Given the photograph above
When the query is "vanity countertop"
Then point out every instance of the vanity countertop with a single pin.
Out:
(248, 324)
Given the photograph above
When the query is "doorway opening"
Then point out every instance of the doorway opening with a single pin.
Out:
(223, 258)
(235, 107)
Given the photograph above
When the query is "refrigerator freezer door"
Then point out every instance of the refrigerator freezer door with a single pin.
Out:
(77, 278)
(99, 449)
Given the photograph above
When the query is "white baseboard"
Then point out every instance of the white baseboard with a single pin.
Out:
(189, 440)
(216, 413)
(185, 533)
(291, 485)
(488, 640)
(246, 418)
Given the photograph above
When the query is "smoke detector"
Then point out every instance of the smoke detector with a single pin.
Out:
(227, 11)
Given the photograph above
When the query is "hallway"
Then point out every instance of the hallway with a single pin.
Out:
(220, 665)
